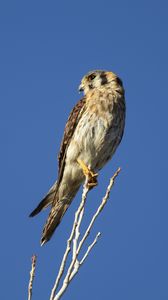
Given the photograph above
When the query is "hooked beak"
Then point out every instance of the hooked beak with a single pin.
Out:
(81, 89)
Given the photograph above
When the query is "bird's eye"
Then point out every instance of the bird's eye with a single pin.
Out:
(92, 76)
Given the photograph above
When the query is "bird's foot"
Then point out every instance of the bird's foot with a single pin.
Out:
(92, 177)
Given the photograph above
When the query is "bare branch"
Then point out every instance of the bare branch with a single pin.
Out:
(79, 264)
(76, 247)
(32, 273)
(77, 232)
(90, 248)
(100, 208)
(87, 232)
(69, 241)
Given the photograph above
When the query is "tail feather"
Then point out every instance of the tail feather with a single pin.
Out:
(47, 200)
(54, 218)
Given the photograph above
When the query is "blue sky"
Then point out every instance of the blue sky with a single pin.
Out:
(46, 48)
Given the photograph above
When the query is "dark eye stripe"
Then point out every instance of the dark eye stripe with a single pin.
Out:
(119, 81)
(103, 79)
(90, 86)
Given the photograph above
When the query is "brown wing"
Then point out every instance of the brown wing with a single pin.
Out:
(71, 124)
(59, 207)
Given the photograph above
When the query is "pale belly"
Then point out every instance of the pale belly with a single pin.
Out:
(95, 140)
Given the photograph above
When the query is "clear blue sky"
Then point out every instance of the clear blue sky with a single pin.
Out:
(46, 47)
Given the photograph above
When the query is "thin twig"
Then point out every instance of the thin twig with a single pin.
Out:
(78, 264)
(75, 233)
(69, 241)
(103, 203)
(32, 273)
(87, 232)
(90, 248)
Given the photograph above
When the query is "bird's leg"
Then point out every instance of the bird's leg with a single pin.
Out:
(92, 177)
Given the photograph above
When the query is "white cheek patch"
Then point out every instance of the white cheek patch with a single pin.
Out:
(97, 82)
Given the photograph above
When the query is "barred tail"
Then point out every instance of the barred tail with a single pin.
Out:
(54, 218)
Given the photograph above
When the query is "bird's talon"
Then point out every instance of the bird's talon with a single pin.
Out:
(94, 174)
(92, 184)
(92, 177)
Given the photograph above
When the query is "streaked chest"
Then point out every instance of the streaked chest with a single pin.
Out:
(101, 118)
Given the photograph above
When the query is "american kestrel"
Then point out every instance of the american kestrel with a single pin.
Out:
(92, 134)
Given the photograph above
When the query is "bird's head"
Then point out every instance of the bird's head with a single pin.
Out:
(99, 79)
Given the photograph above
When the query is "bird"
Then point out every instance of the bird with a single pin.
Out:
(92, 134)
